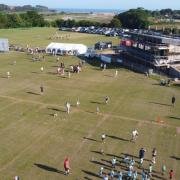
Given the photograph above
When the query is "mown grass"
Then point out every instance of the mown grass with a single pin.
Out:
(34, 143)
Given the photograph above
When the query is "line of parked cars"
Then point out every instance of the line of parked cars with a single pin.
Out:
(98, 30)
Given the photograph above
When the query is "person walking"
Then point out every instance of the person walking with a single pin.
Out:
(68, 106)
(101, 171)
(104, 67)
(97, 110)
(113, 162)
(150, 169)
(154, 154)
(69, 74)
(142, 153)
(16, 178)
(78, 102)
(143, 174)
(163, 169)
(134, 135)
(8, 75)
(103, 137)
(42, 69)
(135, 175)
(141, 156)
(120, 175)
(67, 166)
(107, 99)
(42, 89)
(105, 177)
(101, 66)
(116, 73)
(173, 100)
(171, 174)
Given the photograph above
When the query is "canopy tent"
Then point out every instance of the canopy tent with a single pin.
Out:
(4, 45)
(66, 49)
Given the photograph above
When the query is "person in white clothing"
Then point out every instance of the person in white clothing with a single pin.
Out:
(42, 69)
(134, 135)
(78, 102)
(68, 106)
(116, 73)
(8, 74)
(16, 178)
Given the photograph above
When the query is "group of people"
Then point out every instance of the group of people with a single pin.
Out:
(131, 172)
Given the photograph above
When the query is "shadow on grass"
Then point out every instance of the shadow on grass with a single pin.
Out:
(91, 174)
(48, 168)
(52, 73)
(91, 112)
(107, 75)
(113, 155)
(87, 178)
(158, 177)
(118, 138)
(160, 104)
(33, 93)
(97, 152)
(96, 102)
(172, 117)
(91, 139)
(4, 77)
(176, 158)
(102, 164)
(130, 155)
(55, 109)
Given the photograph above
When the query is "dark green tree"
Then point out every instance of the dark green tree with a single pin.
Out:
(134, 18)
(115, 22)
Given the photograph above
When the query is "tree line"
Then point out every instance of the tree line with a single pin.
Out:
(133, 19)
(6, 8)
(28, 19)
(34, 19)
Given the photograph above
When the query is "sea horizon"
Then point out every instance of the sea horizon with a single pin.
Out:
(90, 10)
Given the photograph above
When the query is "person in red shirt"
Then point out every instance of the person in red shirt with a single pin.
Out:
(66, 166)
(171, 174)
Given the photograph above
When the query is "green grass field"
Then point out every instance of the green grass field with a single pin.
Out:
(39, 37)
(34, 144)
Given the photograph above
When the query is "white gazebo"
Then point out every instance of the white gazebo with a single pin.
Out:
(66, 49)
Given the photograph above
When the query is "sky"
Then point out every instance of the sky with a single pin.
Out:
(99, 4)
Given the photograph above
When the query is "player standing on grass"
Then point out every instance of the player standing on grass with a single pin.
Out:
(67, 166)
(8, 74)
(78, 102)
(16, 178)
(154, 154)
(171, 174)
(107, 99)
(68, 106)
(42, 69)
(42, 89)
(116, 73)
(173, 100)
(134, 135)
(163, 169)
(103, 137)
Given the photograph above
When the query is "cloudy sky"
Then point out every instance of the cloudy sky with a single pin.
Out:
(99, 4)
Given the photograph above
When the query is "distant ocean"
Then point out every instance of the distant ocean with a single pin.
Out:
(69, 10)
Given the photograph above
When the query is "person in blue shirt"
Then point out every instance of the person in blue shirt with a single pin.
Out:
(120, 175)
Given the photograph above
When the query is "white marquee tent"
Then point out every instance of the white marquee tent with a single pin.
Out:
(66, 49)
(4, 45)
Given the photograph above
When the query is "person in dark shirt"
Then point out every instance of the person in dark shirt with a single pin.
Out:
(173, 100)
(42, 89)
(142, 153)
